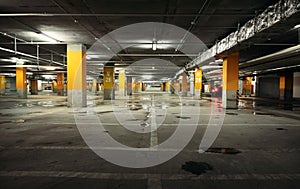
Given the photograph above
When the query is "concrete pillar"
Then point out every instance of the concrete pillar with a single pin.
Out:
(168, 87)
(184, 85)
(230, 81)
(192, 88)
(94, 86)
(129, 85)
(2, 85)
(198, 82)
(135, 85)
(54, 86)
(140, 86)
(60, 84)
(21, 82)
(76, 75)
(122, 83)
(34, 86)
(108, 83)
(247, 86)
(288, 90)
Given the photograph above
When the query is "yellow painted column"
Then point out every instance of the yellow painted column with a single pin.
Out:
(60, 84)
(76, 75)
(230, 80)
(247, 86)
(168, 86)
(54, 86)
(122, 83)
(34, 87)
(281, 87)
(108, 83)
(198, 82)
(21, 82)
(140, 86)
(2, 85)
(184, 85)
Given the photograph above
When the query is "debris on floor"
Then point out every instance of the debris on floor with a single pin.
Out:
(20, 121)
(223, 150)
(196, 168)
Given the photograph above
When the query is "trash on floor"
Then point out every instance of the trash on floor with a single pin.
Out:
(20, 121)
(223, 150)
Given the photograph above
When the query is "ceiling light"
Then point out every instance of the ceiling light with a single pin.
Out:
(297, 26)
(154, 45)
(44, 37)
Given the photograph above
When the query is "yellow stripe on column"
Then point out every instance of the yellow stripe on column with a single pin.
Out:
(2, 84)
(76, 75)
(76, 66)
(21, 78)
(198, 79)
(231, 72)
(21, 82)
(108, 79)
(230, 81)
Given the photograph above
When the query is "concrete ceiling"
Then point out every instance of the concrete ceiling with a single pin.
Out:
(85, 21)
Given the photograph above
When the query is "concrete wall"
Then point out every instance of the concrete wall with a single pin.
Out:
(268, 87)
(296, 88)
(10, 84)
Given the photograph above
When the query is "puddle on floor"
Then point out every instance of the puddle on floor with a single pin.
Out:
(105, 112)
(281, 129)
(196, 168)
(183, 117)
(223, 150)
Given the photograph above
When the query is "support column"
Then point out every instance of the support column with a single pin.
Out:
(122, 83)
(288, 90)
(76, 75)
(192, 84)
(108, 83)
(230, 81)
(168, 86)
(129, 85)
(94, 86)
(21, 83)
(247, 86)
(2, 85)
(60, 84)
(198, 82)
(34, 86)
(54, 86)
(184, 85)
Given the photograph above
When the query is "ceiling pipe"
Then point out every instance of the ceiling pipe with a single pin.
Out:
(286, 53)
(29, 56)
(118, 15)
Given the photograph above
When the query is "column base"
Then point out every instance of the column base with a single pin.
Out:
(60, 92)
(22, 93)
(34, 91)
(2, 91)
(229, 99)
(77, 98)
(109, 94)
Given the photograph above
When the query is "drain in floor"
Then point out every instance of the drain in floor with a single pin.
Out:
(223, 150)
(196, 168)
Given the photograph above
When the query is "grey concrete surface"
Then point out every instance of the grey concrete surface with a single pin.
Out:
(41, 147)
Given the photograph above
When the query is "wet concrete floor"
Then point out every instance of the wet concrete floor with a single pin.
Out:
(41, 146)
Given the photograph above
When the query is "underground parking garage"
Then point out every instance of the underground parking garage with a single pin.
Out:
(149, 94)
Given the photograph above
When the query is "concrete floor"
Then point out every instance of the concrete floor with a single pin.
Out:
(41, 146)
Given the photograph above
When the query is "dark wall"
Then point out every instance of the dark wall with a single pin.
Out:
(268, 87)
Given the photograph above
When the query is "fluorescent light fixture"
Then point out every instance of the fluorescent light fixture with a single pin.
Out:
(154, 45)
(297, 26)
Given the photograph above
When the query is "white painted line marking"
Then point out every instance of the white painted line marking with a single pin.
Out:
(153, 177)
